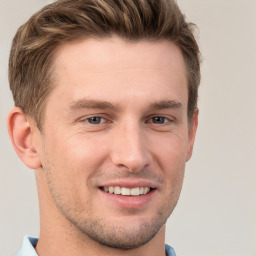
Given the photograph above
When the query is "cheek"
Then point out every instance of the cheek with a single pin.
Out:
(170, 151)
(70, 162)
(86, 153)
(66, 174)
(170, 155)
(75, 152)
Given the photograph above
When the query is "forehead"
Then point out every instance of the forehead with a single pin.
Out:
(95, 53)
(98, 66)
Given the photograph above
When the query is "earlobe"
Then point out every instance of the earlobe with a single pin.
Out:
(192, 134)
(22, 136)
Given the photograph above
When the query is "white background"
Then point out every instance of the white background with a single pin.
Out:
(216, 214)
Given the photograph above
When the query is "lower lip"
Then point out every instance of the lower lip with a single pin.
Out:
(130, 202)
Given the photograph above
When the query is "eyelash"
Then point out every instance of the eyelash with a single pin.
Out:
(163, 120)
(94, 117)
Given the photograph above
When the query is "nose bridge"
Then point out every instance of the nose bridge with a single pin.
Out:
(129, 148)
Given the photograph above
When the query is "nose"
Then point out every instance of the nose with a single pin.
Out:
(129, 148)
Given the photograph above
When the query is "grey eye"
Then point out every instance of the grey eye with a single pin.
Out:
(94, 120)
(158, 120)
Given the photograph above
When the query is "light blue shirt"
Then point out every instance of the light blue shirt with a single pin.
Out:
(29, 243)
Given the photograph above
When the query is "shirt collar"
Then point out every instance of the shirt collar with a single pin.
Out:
(28, 247)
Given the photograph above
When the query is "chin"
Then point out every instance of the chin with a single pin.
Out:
(128, 236)
(124, 233)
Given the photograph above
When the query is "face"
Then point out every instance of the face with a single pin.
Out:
(115, 138)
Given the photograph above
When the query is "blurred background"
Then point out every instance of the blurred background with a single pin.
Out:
(216, 214)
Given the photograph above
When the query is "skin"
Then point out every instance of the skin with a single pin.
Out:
(117, 115)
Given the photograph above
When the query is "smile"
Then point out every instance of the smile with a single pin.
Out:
(137, 191)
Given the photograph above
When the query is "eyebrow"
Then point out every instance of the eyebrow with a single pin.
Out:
(97, 104)
(92, 104)
(165, 104)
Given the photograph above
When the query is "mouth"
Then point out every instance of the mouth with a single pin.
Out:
(125, 191)
(136, 194)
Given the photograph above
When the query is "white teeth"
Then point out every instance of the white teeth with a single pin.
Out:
(146, 190)
(117, 191)
(111, 190)
(127, 191)
(135, 191)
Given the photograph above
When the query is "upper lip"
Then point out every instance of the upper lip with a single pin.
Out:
(129, 183)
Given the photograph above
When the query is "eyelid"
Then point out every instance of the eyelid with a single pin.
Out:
(87, 117)
(167, 117)
(102, 119)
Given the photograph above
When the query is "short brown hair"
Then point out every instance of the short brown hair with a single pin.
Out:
(35, 43)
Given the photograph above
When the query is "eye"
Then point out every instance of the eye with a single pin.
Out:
(95, 120)
(159, 120)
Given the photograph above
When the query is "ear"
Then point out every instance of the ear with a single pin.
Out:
(23, 133)
(192, 133)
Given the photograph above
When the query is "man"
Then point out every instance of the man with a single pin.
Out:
(106, 114)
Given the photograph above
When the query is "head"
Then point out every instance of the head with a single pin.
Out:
(31, 74)
(107, 92)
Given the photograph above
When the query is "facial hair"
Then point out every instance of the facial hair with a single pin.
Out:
(113, 233)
